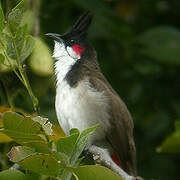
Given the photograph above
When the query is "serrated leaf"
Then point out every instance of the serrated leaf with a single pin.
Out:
(18, 153)
(21, 129)
(15, 16)
(90, 172)
(2, 58)
(44, 164)
(46, 125)
(161, 44)
(2, 18)
(25, 131)
(81, 143)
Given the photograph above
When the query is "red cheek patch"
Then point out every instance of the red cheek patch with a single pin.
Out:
(78, 49)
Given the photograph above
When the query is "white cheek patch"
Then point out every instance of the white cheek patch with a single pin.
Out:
(72, 53)
(64, 60)
(59, 50)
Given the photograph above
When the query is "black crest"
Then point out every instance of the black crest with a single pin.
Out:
(79, 29)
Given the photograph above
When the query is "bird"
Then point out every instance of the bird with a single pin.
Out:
(85, 98)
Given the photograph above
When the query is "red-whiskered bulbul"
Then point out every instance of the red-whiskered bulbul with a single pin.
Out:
(85, 98)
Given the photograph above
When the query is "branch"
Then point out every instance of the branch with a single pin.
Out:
(15, 167)
(101, 156)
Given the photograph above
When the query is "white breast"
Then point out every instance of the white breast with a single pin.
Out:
(81, 106)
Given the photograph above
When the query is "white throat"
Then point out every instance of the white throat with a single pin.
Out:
(66, 58)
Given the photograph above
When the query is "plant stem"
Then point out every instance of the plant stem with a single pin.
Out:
(24, 78)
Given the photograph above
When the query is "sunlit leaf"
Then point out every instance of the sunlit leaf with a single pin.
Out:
(28, 19)
(25, 131)
(57, 133)
(46, 125)
(40, 60)
(90, 172)
(18, 153)
(172, 143)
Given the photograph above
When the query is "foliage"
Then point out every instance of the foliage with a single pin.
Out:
(172, 143)
(36, 152)
(137, 44)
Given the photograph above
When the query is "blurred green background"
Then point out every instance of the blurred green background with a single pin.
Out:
(138, 46)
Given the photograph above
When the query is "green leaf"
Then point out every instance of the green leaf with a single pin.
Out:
(25, 130)
(37, 162)
(21, 129)
(2, 58)
(74, 131)
(18, 41)
(161, 44)
(81, 143)
(24, 44)
(46, 125)
(90, 172)
(10, 47)
(44, 164)
(15, 16)
(40, 163)
(2, 18)
(12, 175)
(72, 146)
(27, 47)
(18, 153)
(66, 145)
(40, 60)
(20, 38)
(29, 20)
(172, 143)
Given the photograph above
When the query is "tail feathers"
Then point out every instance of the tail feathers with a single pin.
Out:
(125, 167)
(116, 160)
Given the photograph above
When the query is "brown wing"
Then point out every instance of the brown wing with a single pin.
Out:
(120, 135)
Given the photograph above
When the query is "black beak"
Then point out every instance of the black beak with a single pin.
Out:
(54, 36)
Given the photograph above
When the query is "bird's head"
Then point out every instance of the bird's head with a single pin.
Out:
(74, 42)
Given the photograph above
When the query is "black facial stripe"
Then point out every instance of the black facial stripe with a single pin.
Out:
(77, 72)
(74, 75)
